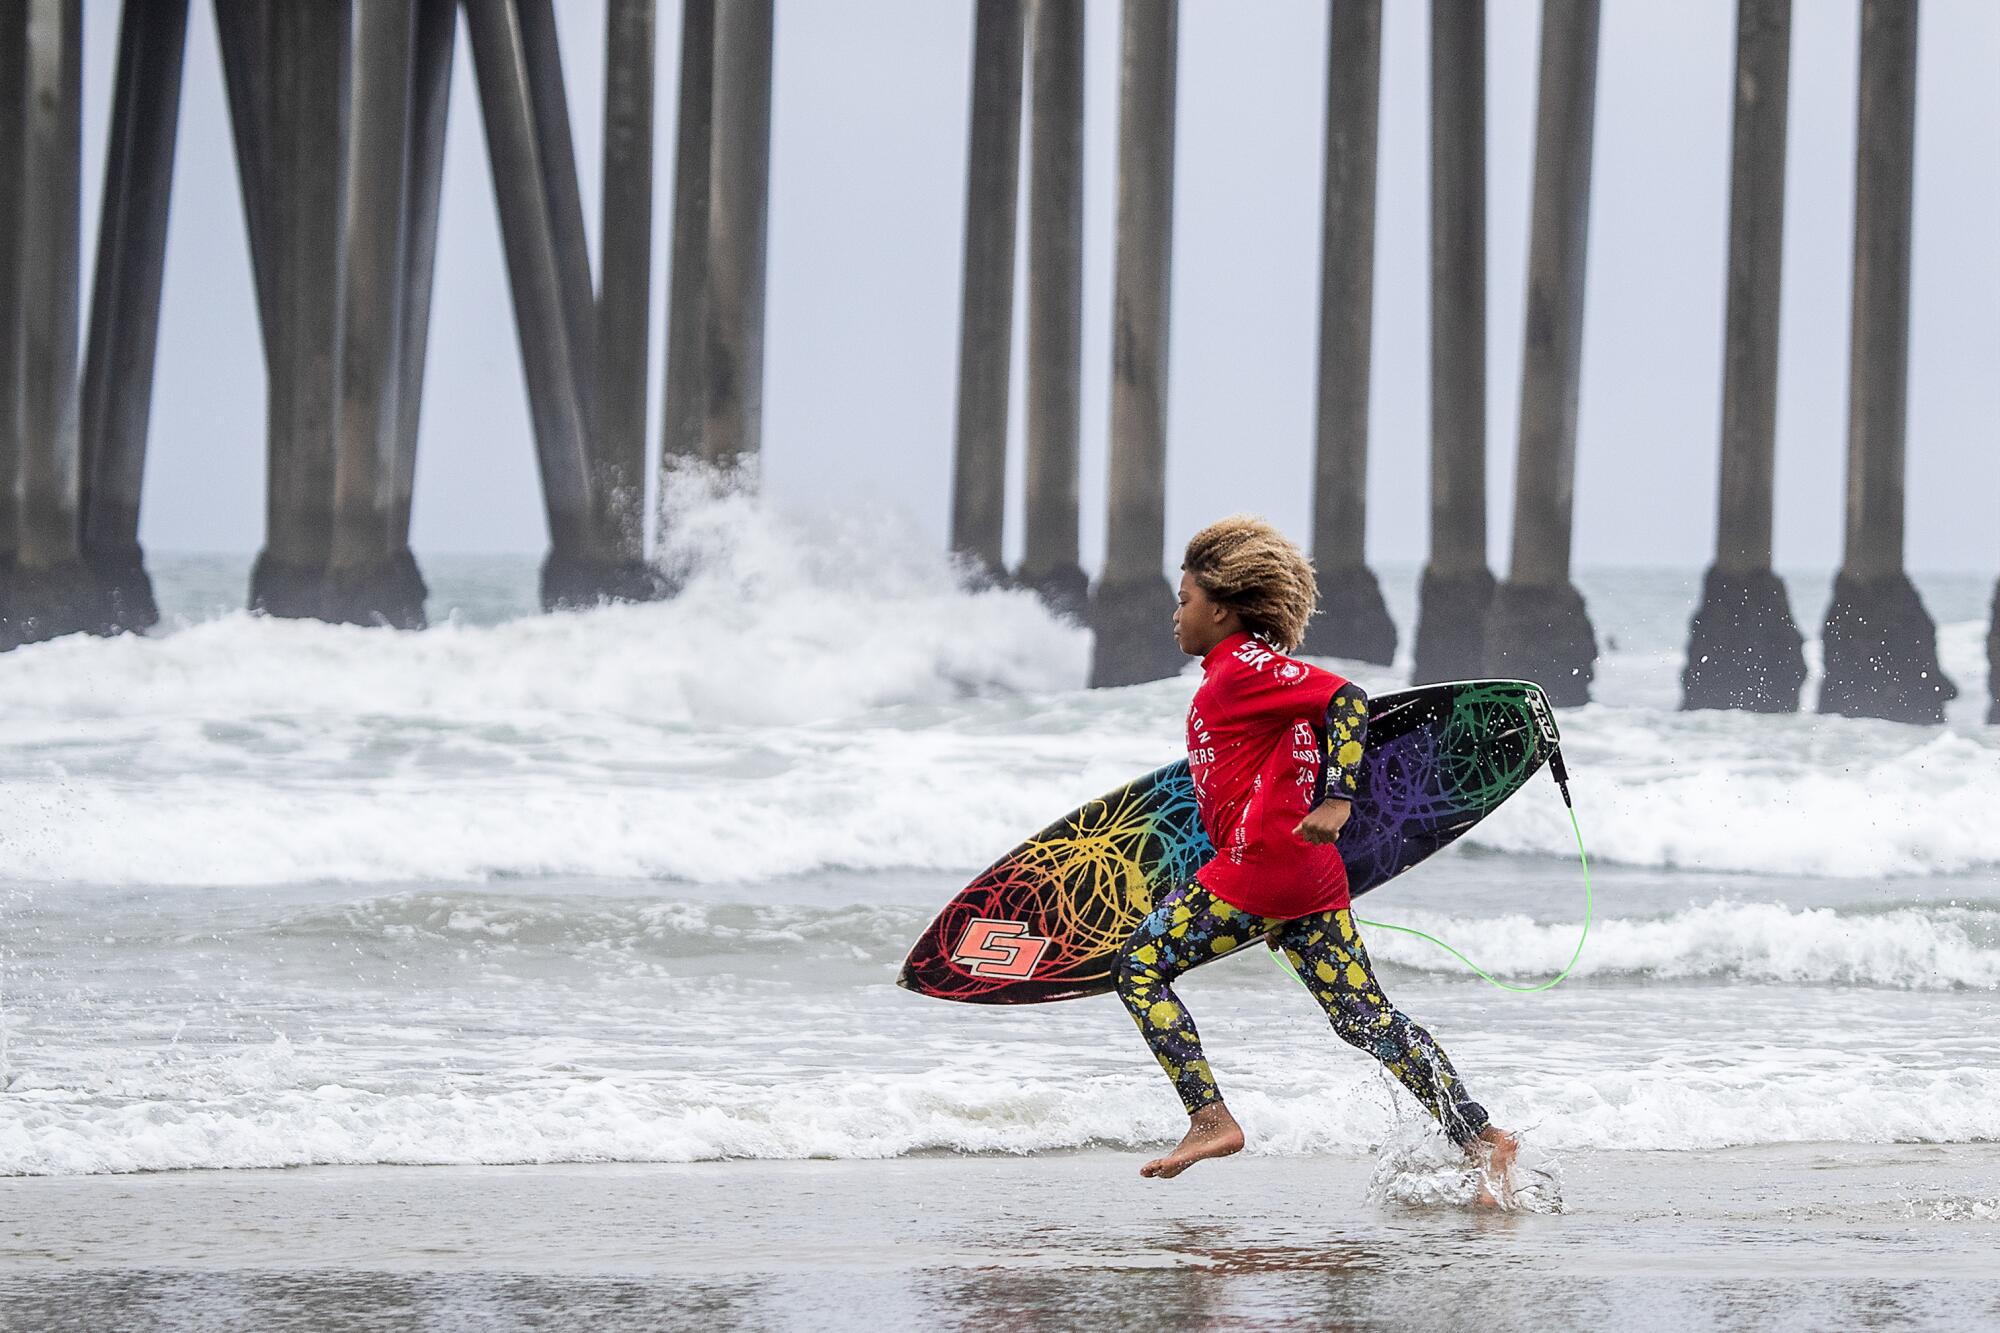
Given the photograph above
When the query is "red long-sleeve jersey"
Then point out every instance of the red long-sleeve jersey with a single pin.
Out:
(1255, 756)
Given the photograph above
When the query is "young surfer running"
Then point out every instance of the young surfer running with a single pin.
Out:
(1275, 748)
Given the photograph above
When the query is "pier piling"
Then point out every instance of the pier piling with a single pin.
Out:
(430, 103)
(624, 297)
(1132, 604)
(1880, 643)
(1055, 307)
(243, 31)
(1455, 594)
(738, 224)
(363, 583)
(1353, 620)
(51, 591)
(537, 274)
(1743, 649)
(117, 386)
(986, 315)
(1538, 628)
(307, 123)
(13, 106)
(686, 387)
(1993, 660)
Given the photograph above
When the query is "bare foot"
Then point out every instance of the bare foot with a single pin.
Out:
(1212, 1132)
(1494, 1152)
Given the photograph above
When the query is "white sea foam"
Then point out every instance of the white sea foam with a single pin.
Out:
(299, 1121)
(1836, 797)
(1929, 948)
(822, 695)
(1935, 947)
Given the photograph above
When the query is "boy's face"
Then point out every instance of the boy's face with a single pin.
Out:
(1200, 623)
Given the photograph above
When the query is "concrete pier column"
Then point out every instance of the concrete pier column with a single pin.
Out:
(1880, 643)
(1132, 605)
(986, 315)
(125, 303)
(13, 113)
(1456, 592)
(1353, 620)
(243, 30)
(430, 103)
(1993, 661)
(685, 419)
(538, 274)
(1538, 629)
(1744, 651)
(738, 218)
(624, 298)
(364, 586)
(51, 591)
(309, 46)
(1050, 564)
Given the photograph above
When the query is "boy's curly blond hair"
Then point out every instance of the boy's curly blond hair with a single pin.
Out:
(1253, 569)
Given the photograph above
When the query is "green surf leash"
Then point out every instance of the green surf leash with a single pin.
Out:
(1561, 775)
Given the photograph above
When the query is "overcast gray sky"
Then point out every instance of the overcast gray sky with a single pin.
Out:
(868, 175)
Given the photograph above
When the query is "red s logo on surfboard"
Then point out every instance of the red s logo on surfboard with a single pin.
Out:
(999, 949)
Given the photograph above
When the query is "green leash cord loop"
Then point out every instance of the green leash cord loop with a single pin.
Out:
(1589, 906)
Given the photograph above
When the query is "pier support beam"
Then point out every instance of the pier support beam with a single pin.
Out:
(542, 274)
(430, 104)
(1880, 643)
(685, 418)
(1055, 307)
(307, 130)
(364, 583)
(1353, 621)
(1743, 649)
(1132, 604)
(624, 298)
(1456, 593)
(1993, 661)
(125, 304)
(986, 316)
(51, 592)
(738, 224)
(1538, 629)
(243, 30)
(13, 111)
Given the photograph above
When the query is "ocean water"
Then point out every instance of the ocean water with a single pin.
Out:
(632, 885)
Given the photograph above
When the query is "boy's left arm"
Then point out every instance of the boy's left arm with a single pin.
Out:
(1343, 735)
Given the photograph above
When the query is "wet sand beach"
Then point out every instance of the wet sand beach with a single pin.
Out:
(1799, 1236)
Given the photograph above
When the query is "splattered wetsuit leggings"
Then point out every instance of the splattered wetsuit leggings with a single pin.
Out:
(1191, 926)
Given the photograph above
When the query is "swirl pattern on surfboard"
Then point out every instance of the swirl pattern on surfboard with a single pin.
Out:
(1045, 921)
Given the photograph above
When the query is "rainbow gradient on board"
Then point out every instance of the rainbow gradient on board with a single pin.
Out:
(1045, 921)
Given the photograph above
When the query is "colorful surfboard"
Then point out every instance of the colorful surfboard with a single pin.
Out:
(1046, 920)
